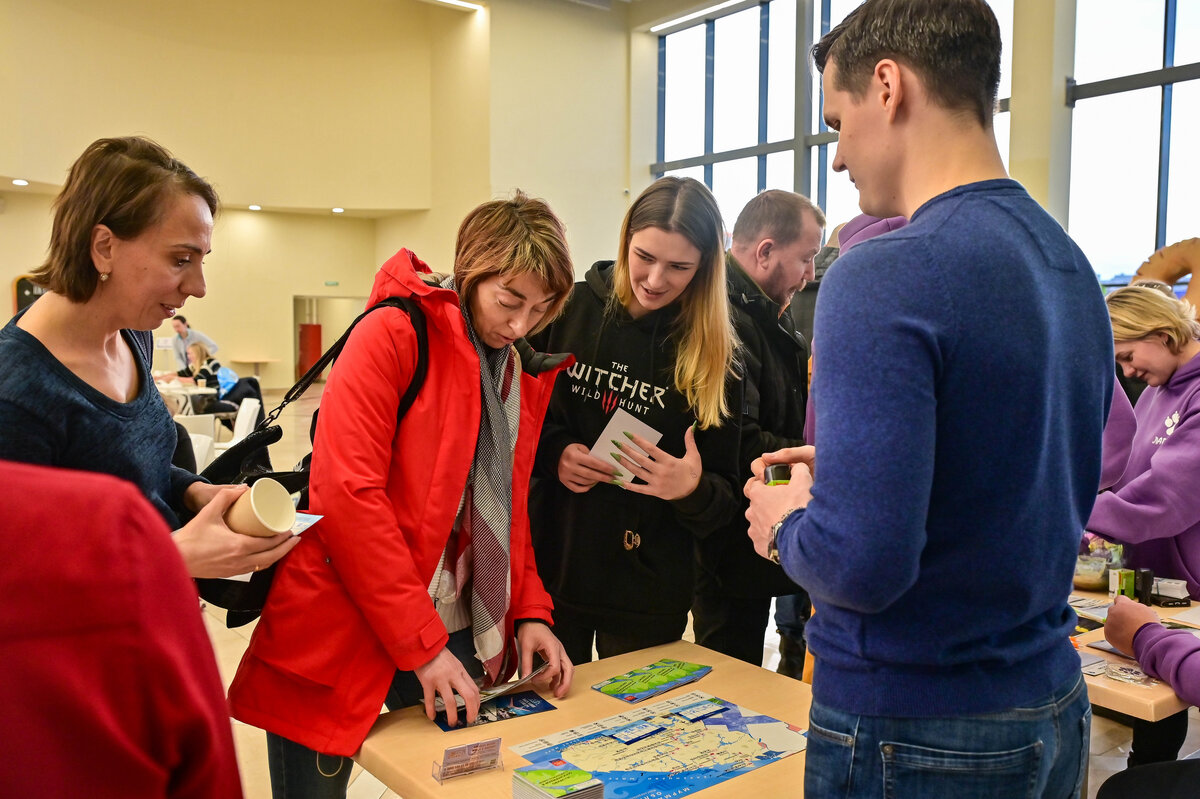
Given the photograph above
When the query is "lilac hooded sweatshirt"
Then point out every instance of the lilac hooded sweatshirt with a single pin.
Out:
(1172, 656)
(1154, 507)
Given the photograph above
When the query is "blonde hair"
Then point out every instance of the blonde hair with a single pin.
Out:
(514, 237)
(705, 339)
(1141, 311)
(202, 354)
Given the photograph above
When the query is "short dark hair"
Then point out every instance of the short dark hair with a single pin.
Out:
(775, 214)
(953, 45)
(180, 318)
(123, 184)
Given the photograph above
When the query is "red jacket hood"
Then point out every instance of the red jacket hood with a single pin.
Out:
(400, 277)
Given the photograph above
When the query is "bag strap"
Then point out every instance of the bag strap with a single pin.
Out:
(415, 314)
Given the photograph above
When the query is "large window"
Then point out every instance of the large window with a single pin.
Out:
(735, 89)
(1136, 117)
(727, 102)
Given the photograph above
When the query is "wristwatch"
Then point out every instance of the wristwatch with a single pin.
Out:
(772, 544)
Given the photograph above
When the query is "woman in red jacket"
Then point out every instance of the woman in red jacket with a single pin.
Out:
(421, 574)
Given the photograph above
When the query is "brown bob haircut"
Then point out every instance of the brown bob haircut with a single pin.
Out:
(953, 45)
(512, 237)
(123, 184)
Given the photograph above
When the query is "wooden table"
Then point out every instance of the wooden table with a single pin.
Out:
(403, 744)
(1152, 703)
(185, 393)
(256, 363)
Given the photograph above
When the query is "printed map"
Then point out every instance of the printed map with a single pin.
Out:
(701, 740)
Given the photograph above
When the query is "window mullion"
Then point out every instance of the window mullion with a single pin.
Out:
(1164, 132)
(710, 39)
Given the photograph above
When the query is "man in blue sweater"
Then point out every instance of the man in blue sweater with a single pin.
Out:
(965, 375)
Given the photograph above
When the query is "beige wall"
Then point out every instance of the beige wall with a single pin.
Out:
(1040, 142)
(305, 104)
(258, 263)
(560, 115)
(459, 156)
(24, 237)
(403, 112)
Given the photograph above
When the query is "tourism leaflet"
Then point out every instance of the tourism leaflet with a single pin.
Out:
(509, 706)
(647, 681)
(548, 779)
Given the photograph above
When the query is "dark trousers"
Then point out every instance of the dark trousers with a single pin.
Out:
(577, 636)
(733, 626)
(298, 772)
(1158, 741)
(1177, 780)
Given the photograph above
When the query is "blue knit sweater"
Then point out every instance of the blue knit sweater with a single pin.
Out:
(963, 372)
(49, 416)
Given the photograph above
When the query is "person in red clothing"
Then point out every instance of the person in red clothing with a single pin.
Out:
(421, 574)
(107, 678)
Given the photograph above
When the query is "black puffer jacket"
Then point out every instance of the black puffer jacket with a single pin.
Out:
(579, 539)
(773, 363)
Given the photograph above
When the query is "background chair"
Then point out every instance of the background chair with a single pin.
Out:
(247, 416)
(201, 423)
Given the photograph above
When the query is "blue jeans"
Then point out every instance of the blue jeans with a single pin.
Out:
(298, 772)
(1035, 751)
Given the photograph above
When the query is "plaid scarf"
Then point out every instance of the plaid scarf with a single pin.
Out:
(487, 511)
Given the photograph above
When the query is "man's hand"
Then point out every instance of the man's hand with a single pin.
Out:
(1124, 619)
(806, 455)
(769, 503)
(534, 636)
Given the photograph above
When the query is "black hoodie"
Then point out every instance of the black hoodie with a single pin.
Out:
(579, 539)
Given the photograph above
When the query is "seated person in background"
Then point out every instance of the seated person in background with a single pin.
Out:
(131, 228)
(185, 337)
(1152, 508)
(201, 366)
(1172, 656)
(107, 679)
(231, 389)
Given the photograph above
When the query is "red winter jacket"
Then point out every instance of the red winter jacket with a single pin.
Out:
(351, 605)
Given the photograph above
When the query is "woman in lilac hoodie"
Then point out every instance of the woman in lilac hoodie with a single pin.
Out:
(1174, 657)
(1153, 508)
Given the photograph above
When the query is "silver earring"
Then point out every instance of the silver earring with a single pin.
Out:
(104, 277)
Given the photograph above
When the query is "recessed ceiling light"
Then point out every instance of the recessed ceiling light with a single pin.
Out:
(256, 208)
(20, 182)
(458, 4)
(695, 15)
(339, 210)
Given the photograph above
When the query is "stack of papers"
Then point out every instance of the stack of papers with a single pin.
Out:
(647, 681)
(488, 694)
(538, 781)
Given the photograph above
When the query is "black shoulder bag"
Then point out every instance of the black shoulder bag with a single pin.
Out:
(244, 600)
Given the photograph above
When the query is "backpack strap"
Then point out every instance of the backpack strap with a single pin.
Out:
(415, 315)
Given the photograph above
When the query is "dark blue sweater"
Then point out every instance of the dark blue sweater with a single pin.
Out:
(962, 376)
(49, 416)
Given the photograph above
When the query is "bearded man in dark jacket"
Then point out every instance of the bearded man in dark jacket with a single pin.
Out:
(775, 239)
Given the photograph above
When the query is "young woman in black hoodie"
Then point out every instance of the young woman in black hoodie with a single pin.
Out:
(653, 337)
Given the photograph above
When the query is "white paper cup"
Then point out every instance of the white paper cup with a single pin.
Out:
(265, 510)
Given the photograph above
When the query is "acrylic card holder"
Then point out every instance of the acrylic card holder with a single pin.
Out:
(458, 761)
